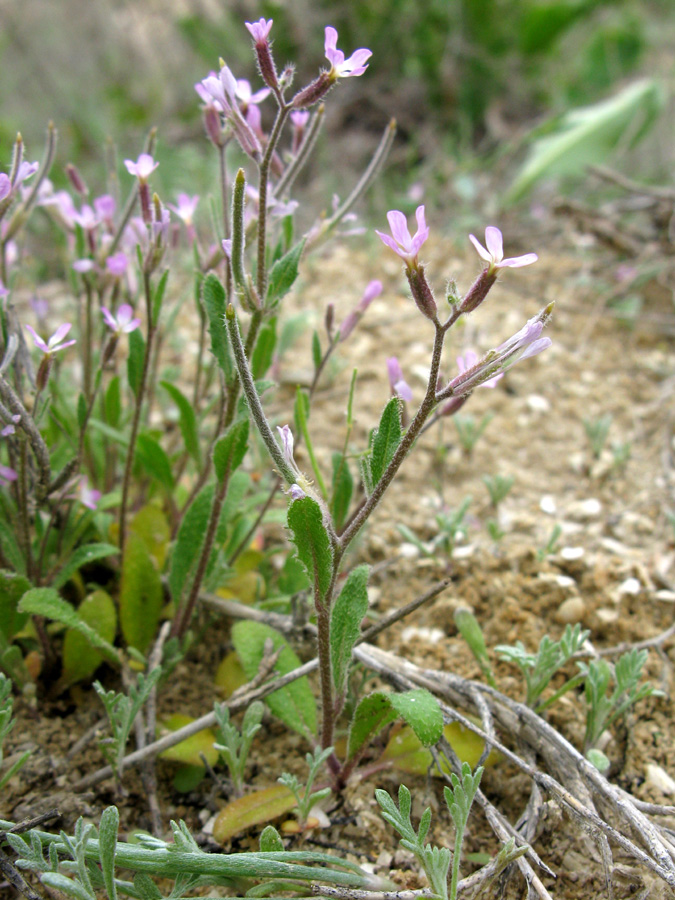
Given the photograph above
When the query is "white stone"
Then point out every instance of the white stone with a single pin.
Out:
(538, 404)
(570, 611)
(548, 505)
(430, 635)
(572, 553)
(630, 586)
(585, 509)
(660, 779)
(408, 551)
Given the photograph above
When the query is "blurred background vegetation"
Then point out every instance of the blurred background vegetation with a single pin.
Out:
(467, 80)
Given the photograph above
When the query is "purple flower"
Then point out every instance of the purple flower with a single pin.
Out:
(10, 429)
(144, 166)
(468, 361)
(84, 265)
(373, 290)
(286, 436)
(401, 242)
(5, 186)
(300, 117)
(525, 343)
(87, 496)
(296, 492)
(7, 475)
(227, 247)
(54, 344)
(123, 322)
(185, 209)
(117, 263)
(259, 30)
(341, 67)
(26, 170)
(245, 97)
(3, 290)
(105, 207)
(494, 254)
(398, 385)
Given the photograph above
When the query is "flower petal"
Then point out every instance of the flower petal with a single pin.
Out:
(480, 249)
(517, 261)
(494, 243)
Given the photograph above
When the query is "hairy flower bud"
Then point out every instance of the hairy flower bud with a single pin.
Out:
(313, 92)
(421, 292)
(478, 290)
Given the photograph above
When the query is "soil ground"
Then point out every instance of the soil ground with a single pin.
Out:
(612, 568)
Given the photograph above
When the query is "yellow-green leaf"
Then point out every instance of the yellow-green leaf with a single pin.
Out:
(230, 675)
(188, 751)
(80, 659)
(407, 754)
(253, 809)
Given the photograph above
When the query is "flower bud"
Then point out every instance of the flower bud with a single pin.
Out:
(313, 92)
(421, 292)
(76, 180)
(479, 290)
(213, 127)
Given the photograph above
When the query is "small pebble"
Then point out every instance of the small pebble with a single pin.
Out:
(660, 779)
(665, 596)
(430, 635)
(630, 586)
(570, 611)
(572, 553)
(548, 505)
(537, 403)
(585, 509)
(408, 551)
(607, 616)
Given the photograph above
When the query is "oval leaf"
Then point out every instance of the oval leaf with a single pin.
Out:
(418, 708)
(253, 809)
(311, 538)
(80, 659)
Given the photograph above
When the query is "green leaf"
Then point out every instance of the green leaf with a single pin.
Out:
(589, 135)
(270, 840)
(12, 589)
(214, 304)
(135, 361)
(386, 439)
(293, 704)
(159, 296)
(189, 542)
(107, 844)
(263, 354)
(10, 547)
(311, 539)
(230, 450)
(187, 420)
(316, 350)
(46, 602)
(345, 624)
(343, 489)
(80, 658)
(81, 410)
(146, 887)
(154, 460)
(418, 708)
(141, 598)
(283, 275)
(80, 557)
(113, 402)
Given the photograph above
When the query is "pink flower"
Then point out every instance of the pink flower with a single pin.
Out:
(494, 254)
(87, 496)
(86, 218)
(259, 30)
(296, 492)
(401, 242)
(10, 429)
(341, 67)
(7, 475)
(246, 97)
(3, 290)
(186, 207)
(468, 361)
(398, 385)
(373, 290)
(5, 186)
(117, 263)
(84, 265)
(105, 207)
(142, 168)
(54, 343)
(123, 322)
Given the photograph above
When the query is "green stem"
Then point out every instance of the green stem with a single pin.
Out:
(137, 411)
(261, 271)
(456, 857)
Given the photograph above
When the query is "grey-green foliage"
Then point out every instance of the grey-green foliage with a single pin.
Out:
(121, 710)
(83, 865)
(539, 668)
(305, 798)
(234, 745)
(435, 861)
(596, 431)
(604, 707)
(451, 527)
(498, 487)
(469, 430)
(6, 725)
